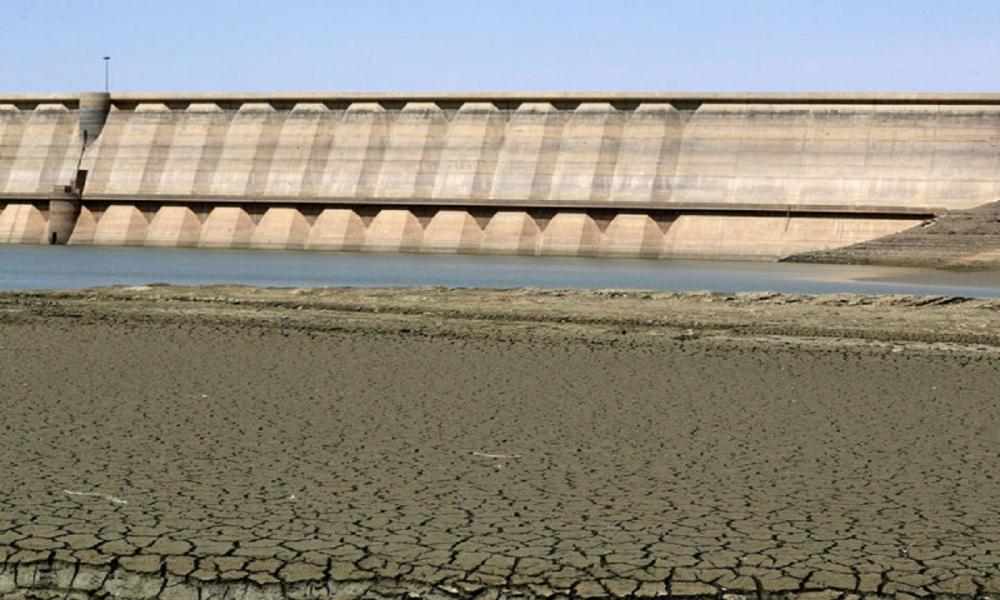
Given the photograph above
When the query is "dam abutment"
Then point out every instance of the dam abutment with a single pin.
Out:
(749, 176)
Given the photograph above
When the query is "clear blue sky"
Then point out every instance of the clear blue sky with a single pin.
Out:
(501, 45)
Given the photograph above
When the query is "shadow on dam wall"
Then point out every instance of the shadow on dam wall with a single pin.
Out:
(654, 176)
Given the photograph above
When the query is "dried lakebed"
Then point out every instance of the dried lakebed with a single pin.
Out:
(244, 442)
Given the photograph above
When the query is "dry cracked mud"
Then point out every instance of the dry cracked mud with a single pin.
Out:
(163, 442)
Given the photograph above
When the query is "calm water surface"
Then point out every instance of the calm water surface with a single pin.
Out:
(38, 267)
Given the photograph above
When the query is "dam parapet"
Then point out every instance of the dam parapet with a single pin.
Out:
(756, 176)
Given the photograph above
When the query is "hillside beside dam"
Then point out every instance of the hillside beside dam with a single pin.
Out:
(717, 176)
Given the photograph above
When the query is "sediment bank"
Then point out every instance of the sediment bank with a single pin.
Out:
(959, 240)
(243, 442)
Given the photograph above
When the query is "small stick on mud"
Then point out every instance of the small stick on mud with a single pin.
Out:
(111, 499)
(485, 455)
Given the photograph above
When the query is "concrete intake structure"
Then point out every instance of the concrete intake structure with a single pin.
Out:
(750, 176)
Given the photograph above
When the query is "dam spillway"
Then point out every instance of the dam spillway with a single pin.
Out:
(748, 176)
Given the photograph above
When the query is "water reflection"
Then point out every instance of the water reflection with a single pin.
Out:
(36, 267)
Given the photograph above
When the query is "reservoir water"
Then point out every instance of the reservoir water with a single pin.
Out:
(48, 267)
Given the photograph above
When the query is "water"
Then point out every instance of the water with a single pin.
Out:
(39, 267)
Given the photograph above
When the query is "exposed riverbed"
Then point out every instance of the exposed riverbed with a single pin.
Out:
(165, 442)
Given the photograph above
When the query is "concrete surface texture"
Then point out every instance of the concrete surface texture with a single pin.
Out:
(40, 148)
(848, 158)
(565, 233)
(481, 444)
(924, 157)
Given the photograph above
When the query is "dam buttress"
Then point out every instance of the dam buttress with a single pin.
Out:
(725, 176)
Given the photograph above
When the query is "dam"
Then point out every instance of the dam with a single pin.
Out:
(716, 176)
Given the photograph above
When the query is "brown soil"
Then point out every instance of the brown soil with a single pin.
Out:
(957, 240)
(175, 442)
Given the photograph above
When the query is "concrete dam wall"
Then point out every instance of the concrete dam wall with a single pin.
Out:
(687, 176)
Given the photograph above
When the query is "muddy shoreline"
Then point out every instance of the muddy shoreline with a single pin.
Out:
(171, 442)
(597, 314)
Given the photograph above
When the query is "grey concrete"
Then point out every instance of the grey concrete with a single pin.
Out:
(780, 173)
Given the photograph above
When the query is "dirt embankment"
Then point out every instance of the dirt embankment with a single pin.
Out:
(957, 240)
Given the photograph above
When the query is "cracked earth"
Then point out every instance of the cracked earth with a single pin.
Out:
(163, 442)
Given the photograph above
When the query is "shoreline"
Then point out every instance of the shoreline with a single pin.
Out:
(601, 314)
